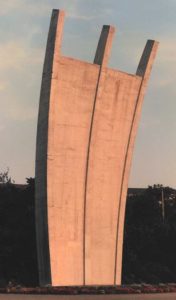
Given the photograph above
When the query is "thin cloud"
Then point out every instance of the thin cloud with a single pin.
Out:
(165, 64)
(3, 85)
(2, 127)
(16, 54)
(23, 6)
(22, 113)
(8, 5)
(167, 50)
(80, 17)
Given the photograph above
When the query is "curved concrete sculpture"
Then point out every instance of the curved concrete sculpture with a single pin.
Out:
(88, 117)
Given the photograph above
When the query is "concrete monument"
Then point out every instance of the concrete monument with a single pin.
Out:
(88, 118)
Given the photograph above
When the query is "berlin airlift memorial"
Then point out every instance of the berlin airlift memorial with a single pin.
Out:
(87, 123)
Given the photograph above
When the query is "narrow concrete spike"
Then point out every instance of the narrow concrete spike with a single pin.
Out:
(104, 45)
(147, 58)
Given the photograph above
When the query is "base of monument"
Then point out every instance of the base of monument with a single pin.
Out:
(167, 296)
(131, 292)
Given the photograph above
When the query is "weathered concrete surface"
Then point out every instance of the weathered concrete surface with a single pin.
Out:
(88, 119)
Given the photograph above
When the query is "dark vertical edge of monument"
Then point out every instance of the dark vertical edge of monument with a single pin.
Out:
(41, 158)
(143, 70)
(101, 58)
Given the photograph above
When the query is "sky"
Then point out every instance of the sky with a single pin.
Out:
(23, 33)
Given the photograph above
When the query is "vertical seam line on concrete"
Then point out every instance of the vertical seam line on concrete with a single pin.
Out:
(123, 175)
(86, 175)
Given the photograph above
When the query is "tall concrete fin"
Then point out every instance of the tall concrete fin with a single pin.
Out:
(50, 68)
(101, 59)
(143, 71)
(104, 45)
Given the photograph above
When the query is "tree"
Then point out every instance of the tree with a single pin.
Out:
(150, 244)
(4, 177)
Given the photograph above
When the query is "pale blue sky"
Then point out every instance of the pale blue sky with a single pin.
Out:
(23, 34)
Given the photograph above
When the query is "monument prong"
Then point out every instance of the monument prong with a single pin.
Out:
(104, 45)
(58, 16)
(147, 58)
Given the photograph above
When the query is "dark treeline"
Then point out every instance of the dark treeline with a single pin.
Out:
(150, 237)
(149, 244)
(18, 260)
